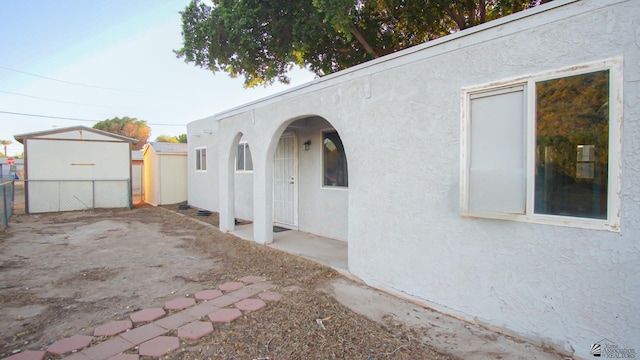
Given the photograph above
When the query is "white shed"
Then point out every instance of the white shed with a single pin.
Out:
(491, 174)
(76, 168)
(165, 173)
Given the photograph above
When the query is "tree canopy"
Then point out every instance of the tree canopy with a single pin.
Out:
(126, 126)
(5, 143)
(167, 139)
(263, 40)
(182, 138)
(572, 112)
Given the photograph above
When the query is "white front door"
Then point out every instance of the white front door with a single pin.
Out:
(285, 187)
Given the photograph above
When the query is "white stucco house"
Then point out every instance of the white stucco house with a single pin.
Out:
(76, 168)
(491, 174)
(165, 173)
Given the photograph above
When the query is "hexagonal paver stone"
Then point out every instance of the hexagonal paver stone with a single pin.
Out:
(251, 279)
(250, 304)
(231, 286)
(179, 304)
(159, 346)
(146, 315)
(67, 345)
(225, 315)
(208, 294)
(270, 296)
(28, 355)
(112, 328)
(195, 330)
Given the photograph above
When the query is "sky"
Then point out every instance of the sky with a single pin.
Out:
(95, 60)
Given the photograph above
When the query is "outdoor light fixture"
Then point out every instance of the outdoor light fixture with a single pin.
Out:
(306, 145)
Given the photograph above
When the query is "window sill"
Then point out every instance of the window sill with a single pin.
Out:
(343, 188)
(565, 221)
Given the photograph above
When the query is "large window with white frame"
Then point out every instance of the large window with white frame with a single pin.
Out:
(201, 159)
(244, 162)
(545, 148)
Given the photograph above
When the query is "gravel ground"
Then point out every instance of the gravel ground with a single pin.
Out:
(65, 273)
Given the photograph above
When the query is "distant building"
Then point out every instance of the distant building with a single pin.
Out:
(76, 168)
(137, 175)
(165, 173)
(7, 171)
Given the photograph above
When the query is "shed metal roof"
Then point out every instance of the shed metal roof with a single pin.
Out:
(169, 148)
(21, 137)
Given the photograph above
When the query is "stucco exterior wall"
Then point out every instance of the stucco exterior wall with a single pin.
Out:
(322, 210)
(244, 195)
(202, 189)
(399, 118)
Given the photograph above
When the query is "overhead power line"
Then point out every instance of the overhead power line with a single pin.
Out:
(67, 82)
(49, 117)
(73, 119)
(62, 101)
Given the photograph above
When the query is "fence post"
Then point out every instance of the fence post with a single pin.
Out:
(4, 204)
(13, 199)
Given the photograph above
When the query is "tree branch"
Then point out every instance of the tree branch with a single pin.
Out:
(358, 35)
(454, 16)
(471, 7)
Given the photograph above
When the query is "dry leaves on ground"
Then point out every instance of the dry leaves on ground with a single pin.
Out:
(285, 329)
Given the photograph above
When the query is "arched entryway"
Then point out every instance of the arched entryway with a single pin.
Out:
(310, 178)
(306, 153)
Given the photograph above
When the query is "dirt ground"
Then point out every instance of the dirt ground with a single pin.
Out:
(63, 274)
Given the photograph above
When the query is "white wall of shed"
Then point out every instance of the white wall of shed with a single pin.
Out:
(152, 190)
(173, 178)
(55, 166)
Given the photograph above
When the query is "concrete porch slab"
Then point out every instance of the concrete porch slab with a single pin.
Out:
(325, 251)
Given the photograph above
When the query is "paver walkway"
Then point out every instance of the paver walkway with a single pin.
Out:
(145, 334)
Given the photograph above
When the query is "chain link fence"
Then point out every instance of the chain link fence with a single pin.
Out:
(69, 195)
(6, 191)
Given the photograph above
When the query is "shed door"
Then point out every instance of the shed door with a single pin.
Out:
(285, 187)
